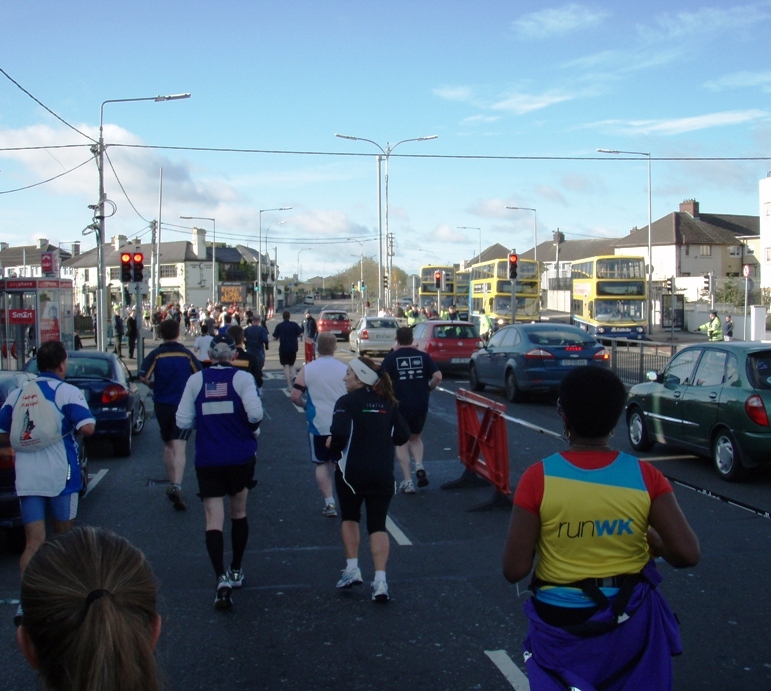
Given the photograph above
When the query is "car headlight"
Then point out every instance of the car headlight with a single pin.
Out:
(600, 329)
(640, 330)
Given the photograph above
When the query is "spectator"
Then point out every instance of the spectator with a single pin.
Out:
(119, 330)
(310, 332)
(132, 331)
(713, 328)
(728, 330)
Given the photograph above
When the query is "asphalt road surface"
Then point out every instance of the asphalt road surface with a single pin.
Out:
(453, 622)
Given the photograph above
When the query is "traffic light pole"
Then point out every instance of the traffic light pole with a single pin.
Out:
(513, 300)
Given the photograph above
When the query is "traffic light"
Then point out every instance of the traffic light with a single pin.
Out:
(126, 272)
(353, 287)
(670, 284)
(513, 262)
(385, 280)
(707, 283)
(139, 265)
(438, 279)
(444, 281)
(256, 286)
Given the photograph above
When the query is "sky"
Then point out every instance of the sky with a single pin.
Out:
(519, 94)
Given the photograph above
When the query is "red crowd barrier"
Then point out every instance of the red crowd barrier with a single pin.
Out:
(483, 446)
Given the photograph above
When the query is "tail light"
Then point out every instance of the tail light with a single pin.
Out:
(574, 348)
(756, 411)
(364, 335)
(602, 354)
(113, 393)
(7, 458)
(539, 354)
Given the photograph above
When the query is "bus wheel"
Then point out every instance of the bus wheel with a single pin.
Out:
(513, 392)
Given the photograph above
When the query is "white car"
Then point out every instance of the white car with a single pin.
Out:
(310, 300)
(373, 334)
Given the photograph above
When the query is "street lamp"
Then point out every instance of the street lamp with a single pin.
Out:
(387, 153)
(259, 255)
(275, 278)
(213, 255)
(298, 260)
(535, 227)
(650, 229)
(480, 237)
(101, 304)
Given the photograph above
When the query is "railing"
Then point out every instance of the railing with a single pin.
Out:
(84, 325)
(631, 359)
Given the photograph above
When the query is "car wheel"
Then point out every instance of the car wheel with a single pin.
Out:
(513, 392)
(16, 539)
(121, 446)
(638, 431)
(139, 419)
(726, 457)
(473, 377)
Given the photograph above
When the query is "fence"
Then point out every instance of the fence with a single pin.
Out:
(84, 325)
(631, 360)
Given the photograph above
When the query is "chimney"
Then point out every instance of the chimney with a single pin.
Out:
(42, 243)
(75, 249)
(199, 243)
(4, 246)
(118, 241)
(690, 206)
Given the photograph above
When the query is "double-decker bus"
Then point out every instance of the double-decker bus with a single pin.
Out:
(462, 287)
(609, 296)
(491, 291)
(428, 294)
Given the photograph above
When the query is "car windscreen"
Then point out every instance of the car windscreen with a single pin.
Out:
(459, 331)
(559, 337)
(381, 324)
(334, 316)
(759, 369)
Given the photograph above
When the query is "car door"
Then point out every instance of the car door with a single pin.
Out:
(700, 401)
(483, 361)
(665, 411)
(500, 354)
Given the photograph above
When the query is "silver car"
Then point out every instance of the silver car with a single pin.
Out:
(373, 334)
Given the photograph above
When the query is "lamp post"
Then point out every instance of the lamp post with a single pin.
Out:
(101, 304)
(213, 254)
(267, 254)
(259, 255)
(535, 227)
(650, 230)
(387, 153)
(480, 237)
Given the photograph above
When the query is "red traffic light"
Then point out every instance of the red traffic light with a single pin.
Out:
(438, 280)
(513, 258)
(513, 263)
(139, 257)
(125, 258)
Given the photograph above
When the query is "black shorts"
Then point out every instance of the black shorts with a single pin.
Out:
(219, 480)
(415, 422)
(350, 504)
(166, 414)
(319, 451)
(287, 357)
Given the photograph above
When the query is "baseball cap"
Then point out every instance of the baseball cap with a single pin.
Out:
(221, 343)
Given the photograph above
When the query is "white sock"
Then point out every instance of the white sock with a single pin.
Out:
(329, 500)
(380, 576)
(351, 564)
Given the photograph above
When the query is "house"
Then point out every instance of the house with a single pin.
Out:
(24, 261)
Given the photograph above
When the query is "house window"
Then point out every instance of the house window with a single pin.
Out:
(705, 250)
(687, 250)
(168, 270)
(114, 274)
(768, 254)
(86, 275)
(735, 251)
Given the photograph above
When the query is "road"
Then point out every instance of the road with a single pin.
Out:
(454, 622)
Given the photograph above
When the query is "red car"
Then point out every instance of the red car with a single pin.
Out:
(449, 343)
(336, 322)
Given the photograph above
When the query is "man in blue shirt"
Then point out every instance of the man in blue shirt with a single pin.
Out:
(256, 337)
(222, 403)
(287, 333)
(166, 371)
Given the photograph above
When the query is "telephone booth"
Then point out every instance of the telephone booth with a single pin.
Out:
(32, 311)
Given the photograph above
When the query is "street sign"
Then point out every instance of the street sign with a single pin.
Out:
(746, 271)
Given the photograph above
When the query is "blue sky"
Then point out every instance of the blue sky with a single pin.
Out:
(542, 84)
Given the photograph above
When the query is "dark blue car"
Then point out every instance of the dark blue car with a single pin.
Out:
(111, 393)
(523, 358)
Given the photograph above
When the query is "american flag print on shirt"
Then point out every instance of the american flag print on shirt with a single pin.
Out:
(216, 389)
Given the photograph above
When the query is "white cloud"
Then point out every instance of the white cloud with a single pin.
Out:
(454, 93)
(741, 80)
(551, 194)
(484, 119)
(676, 126)
(557, 21)
(491, 208)
(444, 233)
(526, 103)
(705, 21)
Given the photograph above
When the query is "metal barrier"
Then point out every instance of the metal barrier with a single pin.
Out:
(631, 359)
(483, 447)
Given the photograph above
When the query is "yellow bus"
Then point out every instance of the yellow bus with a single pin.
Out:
(427, 293)
(491, 291)
(462, 286)
(609, 296)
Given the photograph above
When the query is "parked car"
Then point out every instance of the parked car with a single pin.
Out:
(10, 510)
(310, 300)
(111, 393)
(373, 334)
(522, 358)
(712, 398)
(449, 343)
(336, 322)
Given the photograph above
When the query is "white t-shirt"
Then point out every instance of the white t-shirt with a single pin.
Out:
(324, 384)
(201, 346)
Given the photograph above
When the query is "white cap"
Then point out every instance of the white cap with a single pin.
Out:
(365, 374)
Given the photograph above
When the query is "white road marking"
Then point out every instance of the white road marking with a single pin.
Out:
(396, 533)
(514, 675)
(94, 480)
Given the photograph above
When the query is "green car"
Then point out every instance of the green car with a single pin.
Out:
(711, 398)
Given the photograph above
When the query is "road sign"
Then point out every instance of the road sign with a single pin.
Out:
(746, 271)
